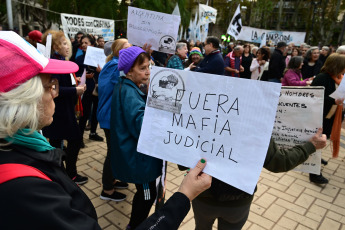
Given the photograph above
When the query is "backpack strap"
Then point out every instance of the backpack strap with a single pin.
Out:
(12, 171)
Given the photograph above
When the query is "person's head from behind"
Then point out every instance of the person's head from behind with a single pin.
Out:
(341, 50)
(116, 46)
(87, 40)
(135, 63)
(181, 50)
(211, 44)
(282, 46)
(295, 63)
(313, 54)
(238, 51)
(60, 44)
(263, 54)
(100, 42)
(34, 37)
(78, 36)
(195, 55)
(334, 65)
(26, 87)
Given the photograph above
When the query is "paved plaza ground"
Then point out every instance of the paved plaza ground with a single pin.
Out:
(283, 200)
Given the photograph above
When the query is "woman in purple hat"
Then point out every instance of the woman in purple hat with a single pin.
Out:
(127, 112)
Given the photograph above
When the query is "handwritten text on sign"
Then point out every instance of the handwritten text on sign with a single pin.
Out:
(299, 115)
(155, 28)
(227, 121)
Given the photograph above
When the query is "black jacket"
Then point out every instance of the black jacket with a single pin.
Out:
(212, 63)
(35, 203)
(277, 65)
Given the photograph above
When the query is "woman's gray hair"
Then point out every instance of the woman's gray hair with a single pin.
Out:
(341, 49)
(310, 51)
(180, 45)
(254, 48)
(20, 107)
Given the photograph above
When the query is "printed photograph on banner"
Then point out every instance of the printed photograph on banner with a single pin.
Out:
(157, 29)
(166, 91)
(299, 116)
(190, 115)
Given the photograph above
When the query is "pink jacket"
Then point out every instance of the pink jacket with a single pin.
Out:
(291, 78)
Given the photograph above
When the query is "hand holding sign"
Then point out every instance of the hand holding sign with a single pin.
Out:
(319, 140)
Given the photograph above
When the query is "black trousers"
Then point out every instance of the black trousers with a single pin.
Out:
(72, 151)
(107, 176)
(142, 203)
(87, 101)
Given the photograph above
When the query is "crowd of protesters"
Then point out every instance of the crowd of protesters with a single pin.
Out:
(115, 96)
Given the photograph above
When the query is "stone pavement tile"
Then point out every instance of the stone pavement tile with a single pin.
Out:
(342, 191)
(268, 176)
(301, 219)
(330, 190)
(278, 227)
(188, 225)
(340, 179)
(111, 227)
(257, 209)
(177, 172)
(302, 227)
(261, 190)
(118, 219)
(256, 227)
(334, 216)
(309, 185)
(295, 190)
(178, 180)
(96, 166)
(83, 167)
(171, 186)
(274, 212)
(273, 184)
(103, 222)
(318, 195)
(337, 184)
(265, 200)
(287, 223)
(91, 184)
(282, 195)
(286, 180)
(343, 227)
(90, 149)
(329, 224)
(94, 174)
(261, 221)
(98, 201)
(104, 209)
(290, 206)
(88, 192)
(340, 200)
(124, 207)
(305, 200)
(316, 212)
(247, 225)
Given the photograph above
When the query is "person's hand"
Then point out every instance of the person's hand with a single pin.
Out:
(99, 69)
(236, 71)
(308, 82)
(89, 75)
(78, 79)
(319, 140)
(195, 181)
(191, 66)
(80, 89)
(241, 69)
(339, 101)
(262, 62)
(147, 48)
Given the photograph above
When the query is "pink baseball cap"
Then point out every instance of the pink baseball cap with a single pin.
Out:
(20, 61)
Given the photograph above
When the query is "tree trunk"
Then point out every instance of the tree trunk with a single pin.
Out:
(281, 4)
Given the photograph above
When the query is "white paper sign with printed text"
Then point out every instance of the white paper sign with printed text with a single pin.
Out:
(299, 115)
(94, 57)
(228, 121)
(155, 28)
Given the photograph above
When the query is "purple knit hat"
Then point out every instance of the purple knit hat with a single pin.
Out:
(127, 58)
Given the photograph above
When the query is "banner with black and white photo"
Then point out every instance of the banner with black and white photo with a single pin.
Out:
(207, 14)
(72, 24)
(256, 35)
(235, 25)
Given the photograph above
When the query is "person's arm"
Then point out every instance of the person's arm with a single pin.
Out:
(43, 204)
(170, 216)
(293, 79)
(283, 160)
(255, 65)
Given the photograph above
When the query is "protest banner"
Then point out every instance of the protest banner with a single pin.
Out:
(94, 57)
(155, 28)
(227, 121)
(299, 115)
(256, 35)
(207, 14)
(235, 26)
(72, 24)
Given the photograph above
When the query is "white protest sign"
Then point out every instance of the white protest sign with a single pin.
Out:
(228, 121)
(94, 57)
(299, 115)
(41, 48)
(48, 46)
(207, 14)
(235, 26)
(155, 28)
(255, 35)
(339, 92)
(72, 24)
